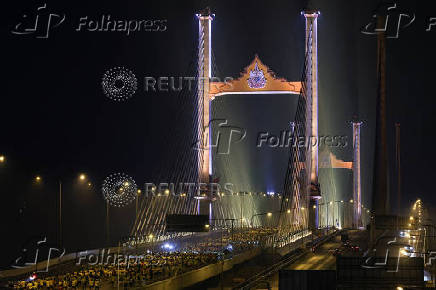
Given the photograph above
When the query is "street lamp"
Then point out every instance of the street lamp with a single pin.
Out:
(82, 178)
(136, 203)
(2, 158)
(269, 214)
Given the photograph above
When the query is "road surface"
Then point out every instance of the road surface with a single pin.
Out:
(322, 259)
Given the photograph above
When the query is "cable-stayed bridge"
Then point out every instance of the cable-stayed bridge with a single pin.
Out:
(203, 175)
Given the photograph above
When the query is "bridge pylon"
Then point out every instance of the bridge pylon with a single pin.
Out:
(311, 79)
(357, 187)
(204, 161)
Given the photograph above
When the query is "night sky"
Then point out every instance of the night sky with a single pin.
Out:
(57, 123)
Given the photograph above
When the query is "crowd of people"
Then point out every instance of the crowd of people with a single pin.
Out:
(149, 268)
(146, 266)
(83, 279)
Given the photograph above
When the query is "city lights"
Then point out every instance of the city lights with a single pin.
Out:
(2, 158)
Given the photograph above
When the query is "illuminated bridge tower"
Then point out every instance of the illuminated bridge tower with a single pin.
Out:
(357, 190)
(204, 131)
(311, 79)
(204, 75)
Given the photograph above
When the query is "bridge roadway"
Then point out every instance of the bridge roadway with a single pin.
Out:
(322, 259)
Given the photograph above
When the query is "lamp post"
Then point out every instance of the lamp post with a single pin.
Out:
(60, 212)
(82, 178)
(338, 216)
(259, 214)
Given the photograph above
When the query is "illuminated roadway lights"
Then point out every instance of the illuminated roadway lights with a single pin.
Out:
(2, 158)
(168, 247)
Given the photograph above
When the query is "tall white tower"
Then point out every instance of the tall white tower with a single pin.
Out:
(357, 193)
(314, 193)
(204, 75)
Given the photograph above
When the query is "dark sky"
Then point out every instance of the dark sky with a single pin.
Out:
(56, 122)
